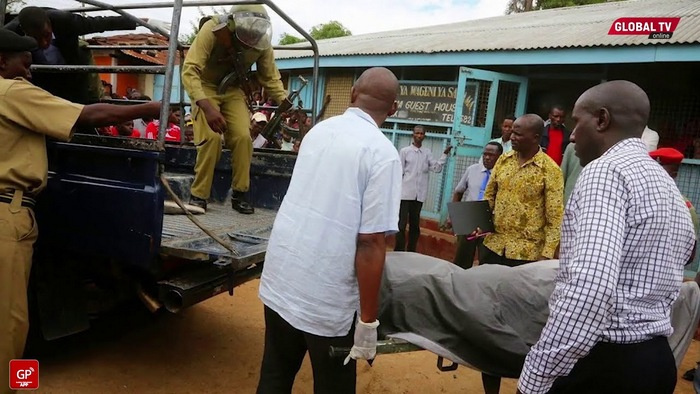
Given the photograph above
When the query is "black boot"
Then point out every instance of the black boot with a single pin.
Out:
(198, 202)
(239, 202)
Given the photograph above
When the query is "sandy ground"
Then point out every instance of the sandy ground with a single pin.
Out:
(216, 347)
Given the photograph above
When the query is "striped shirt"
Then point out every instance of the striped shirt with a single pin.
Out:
(626, 236)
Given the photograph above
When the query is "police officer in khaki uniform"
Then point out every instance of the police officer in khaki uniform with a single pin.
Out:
(27, 115)
(206, 64)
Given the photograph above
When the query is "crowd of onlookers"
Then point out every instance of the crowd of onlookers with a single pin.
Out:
(286, 138)
(147, 128)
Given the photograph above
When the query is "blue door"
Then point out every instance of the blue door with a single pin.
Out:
(484, 98)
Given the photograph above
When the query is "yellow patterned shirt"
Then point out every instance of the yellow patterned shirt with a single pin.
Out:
(527, 204)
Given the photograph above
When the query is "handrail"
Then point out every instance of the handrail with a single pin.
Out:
(173, 47)
(67, 68)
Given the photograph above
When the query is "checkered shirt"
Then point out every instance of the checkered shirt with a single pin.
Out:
(626, 236)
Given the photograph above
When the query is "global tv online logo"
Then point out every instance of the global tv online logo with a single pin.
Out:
(658, 28)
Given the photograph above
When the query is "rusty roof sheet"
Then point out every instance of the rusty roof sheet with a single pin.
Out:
(571, 27)
(152, 56)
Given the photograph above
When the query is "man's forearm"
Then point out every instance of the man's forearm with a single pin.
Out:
(369, 266)
(108, 114)
(457, 197)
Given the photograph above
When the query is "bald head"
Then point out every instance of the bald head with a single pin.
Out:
(627, 104)
(607, 114)
(527, 131)
(375, 93)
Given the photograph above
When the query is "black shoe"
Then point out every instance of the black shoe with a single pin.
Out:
(240, 203)
(198, 202)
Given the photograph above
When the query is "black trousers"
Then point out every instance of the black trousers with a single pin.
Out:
(285, 347)
(488, 256)
(639, 368)
(409, 213)
(464, 256)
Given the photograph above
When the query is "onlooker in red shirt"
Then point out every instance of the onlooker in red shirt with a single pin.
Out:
(555, 136)
(172, 132)
(124, 129)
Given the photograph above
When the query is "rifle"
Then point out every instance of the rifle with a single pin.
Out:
(276, 120)
(235, 57)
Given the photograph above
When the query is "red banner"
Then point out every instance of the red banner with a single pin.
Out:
(643, 26)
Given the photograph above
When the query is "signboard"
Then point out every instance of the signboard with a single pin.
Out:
(435, 103)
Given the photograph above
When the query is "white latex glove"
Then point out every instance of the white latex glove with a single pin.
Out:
(365, 346)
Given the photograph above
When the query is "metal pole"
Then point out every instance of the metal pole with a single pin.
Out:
(314, 47)
(182, 99)
(170, 67)
(118, 10)
(68, 68)
(3, 10)
(161, 4)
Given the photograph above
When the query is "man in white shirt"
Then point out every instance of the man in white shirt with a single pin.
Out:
(417, 162)
(257, 124)
(474, 182)
(506, 131)
(626, 237)
(326, 253)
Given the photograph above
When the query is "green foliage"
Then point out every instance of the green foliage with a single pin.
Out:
(322, 31)
(516, 6)
(330, 29)
(287, 39)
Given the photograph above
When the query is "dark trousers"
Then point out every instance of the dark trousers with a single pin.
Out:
(409, 213)
(488, 256)
(640, 368)
(464, 256)
(285, 347)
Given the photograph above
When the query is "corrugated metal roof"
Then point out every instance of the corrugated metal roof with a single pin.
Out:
(572, 27)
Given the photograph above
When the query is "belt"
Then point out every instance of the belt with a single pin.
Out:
(8, 197)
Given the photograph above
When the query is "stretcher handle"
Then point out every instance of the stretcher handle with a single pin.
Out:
(387, 346)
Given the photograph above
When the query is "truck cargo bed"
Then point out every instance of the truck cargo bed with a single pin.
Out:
(247, 234)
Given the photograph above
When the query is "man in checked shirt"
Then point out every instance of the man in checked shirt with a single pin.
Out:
(626, 236)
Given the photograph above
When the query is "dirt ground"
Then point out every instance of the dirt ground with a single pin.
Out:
(216, 347)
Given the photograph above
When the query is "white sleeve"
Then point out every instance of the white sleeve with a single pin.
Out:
(381, 199)
(462, 185)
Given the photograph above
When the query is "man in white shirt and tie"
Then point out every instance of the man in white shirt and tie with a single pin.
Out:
(474, 182)
(417, 162)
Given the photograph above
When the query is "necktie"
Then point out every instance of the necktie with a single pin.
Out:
(483, 184)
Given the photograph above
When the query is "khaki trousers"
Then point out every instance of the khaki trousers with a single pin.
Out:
(18, 232)
(236, 138)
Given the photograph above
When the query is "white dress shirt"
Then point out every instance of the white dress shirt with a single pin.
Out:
(507, 146)
(346, 181)
(626, 236)
(417, 163)
(471, 182)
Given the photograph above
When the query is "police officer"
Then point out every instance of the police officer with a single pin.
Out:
(671, 159)
(205, 66)
(27, 115)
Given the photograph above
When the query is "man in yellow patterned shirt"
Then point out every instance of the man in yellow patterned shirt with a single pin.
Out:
(525, 193)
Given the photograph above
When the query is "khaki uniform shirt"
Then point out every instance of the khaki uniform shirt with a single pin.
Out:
(527, 204)
(27, 115)
(203, 66)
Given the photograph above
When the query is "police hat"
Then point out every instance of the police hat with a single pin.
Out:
(667, 156)
(13, 42)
